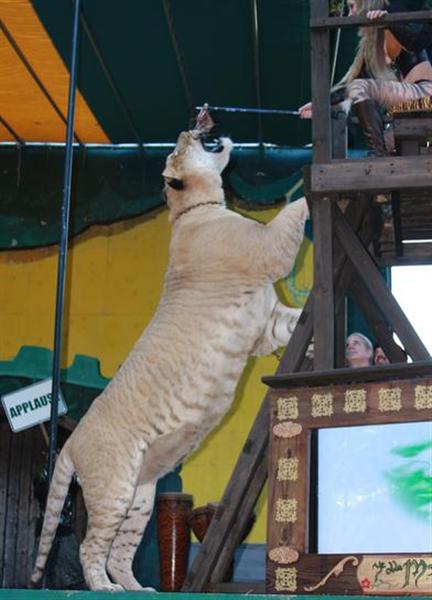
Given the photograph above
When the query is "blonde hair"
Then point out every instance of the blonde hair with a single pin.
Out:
(370, 51)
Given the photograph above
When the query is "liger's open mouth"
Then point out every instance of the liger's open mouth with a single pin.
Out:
(211, 144)
(203, 127)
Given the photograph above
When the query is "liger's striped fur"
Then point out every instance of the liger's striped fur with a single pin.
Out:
(218, 307)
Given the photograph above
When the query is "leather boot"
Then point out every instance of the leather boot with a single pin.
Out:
(371, 123)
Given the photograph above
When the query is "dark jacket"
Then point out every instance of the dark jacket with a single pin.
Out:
(414, 37)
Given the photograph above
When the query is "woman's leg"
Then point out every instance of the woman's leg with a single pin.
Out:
(388, 93)
(368, 94)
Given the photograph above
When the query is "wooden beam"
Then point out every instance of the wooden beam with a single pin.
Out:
(376, 317)
(12, 503)
(403, 261)
(320, 73)
(372, 174)
(5, 450)
(417, 232)
(323, 284)
(320, 22)
(397, 223)
(362, 222)
(359, 213)
(340, 329)
(412, 128)
(408, 147)
(245, 511)
(359, 375)
(376, 321)
(413, 254)
(24, 536)
(377, 287)
(339, 133)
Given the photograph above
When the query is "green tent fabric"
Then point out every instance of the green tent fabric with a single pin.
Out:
(164, 62)
(112, 183)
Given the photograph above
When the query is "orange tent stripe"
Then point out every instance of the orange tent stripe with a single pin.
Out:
(5, 136)
(23, 105)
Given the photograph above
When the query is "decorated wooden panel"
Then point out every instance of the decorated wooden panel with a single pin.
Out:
(352, 574)
(295, 413)
(355, 404)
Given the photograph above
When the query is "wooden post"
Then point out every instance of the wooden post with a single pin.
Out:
(323, 284)
(322, 153)
(340, 330)
(339, 133)
(320, 71)
(397, 222)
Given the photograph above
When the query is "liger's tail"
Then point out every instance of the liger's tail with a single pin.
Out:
(63, 472)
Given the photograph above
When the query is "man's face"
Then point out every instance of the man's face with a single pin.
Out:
(380, 358)
(352, 8)
(357, 352)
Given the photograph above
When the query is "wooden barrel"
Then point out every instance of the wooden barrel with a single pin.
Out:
(200, 519)
(173, 529)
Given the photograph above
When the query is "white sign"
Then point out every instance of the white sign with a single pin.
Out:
(31, 405)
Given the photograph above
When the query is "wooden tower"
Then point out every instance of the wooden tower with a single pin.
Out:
(349, 245)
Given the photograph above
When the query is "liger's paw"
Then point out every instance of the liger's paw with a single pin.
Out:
(36, 578)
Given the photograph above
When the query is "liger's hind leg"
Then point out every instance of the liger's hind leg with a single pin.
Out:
(105, 516)
(129, 536)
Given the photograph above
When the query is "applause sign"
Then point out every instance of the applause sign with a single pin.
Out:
(31, 405)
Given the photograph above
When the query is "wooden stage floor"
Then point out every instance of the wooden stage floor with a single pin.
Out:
(86, 595)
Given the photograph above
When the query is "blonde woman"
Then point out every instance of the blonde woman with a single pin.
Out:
(391, 67)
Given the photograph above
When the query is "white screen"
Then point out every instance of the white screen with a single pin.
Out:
(375, 489)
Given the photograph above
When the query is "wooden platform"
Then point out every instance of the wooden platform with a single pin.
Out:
(421, 368)
(372, 174)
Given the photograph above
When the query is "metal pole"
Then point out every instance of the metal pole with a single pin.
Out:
(257, 78)
(61, 273)
(337, 45)
(335, 56)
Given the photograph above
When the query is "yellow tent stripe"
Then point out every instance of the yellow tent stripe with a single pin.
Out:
(23, 105)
